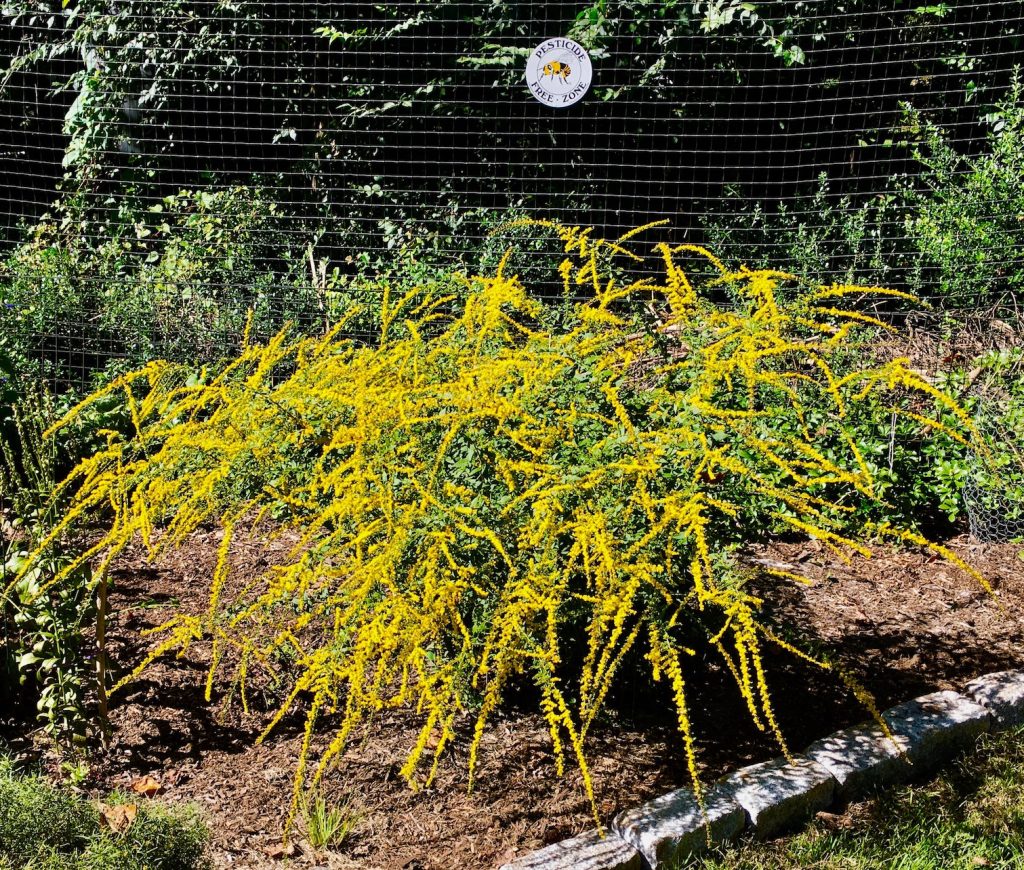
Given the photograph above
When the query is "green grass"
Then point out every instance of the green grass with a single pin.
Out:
(971, 816)
(43, 827)
(326, 825)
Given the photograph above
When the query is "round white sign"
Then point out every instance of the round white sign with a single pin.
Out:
(558, 72)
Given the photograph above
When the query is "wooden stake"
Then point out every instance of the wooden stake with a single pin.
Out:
(101, 659)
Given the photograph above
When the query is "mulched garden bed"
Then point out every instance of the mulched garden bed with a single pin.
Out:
(904, 623)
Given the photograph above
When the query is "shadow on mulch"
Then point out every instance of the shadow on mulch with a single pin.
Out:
(903, 624)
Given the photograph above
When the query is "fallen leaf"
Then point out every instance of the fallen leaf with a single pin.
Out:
(146, 786)
(280, 850)
(118, 819)
(834, 820)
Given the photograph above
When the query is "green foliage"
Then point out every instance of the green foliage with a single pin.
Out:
(956, 239)
(919, 473)
(488, 496)
(43, 827)
(819, 236)
(33, 814)
(147, 59)
(995, 494)
(972, 815)
(326, 825)
(952, 235)
(146, 104)
(44, 643)
(180, 282)
(185, 281)
(420, 260)
(129, 266)
(49, 647)
(967, 224)
(207, 262)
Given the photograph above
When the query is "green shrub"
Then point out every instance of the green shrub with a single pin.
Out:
(184, 281)
(919, 474)
(967, 223)
(820, 236)
(952, 235)
(179, 283)
(486, 497)
(162, 836)
(995, 487)
(417, 258)
(34, 815)
(43, 827)
(44, 650)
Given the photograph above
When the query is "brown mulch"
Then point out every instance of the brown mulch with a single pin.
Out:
(904, 623)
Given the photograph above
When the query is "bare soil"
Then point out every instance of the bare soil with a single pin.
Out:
(904, 623)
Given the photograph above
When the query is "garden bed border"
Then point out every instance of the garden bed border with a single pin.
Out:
(773, 796)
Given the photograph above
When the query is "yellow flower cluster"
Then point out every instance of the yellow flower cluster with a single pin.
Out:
(478, 490)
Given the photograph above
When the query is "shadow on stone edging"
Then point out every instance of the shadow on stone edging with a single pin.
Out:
(776, 795)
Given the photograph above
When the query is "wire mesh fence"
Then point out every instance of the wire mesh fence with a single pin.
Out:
(994, 485)
(172, 165)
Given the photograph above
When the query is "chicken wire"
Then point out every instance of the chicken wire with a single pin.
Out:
(311, 141)
(994, 484)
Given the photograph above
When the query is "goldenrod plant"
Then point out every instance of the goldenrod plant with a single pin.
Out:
(479, 492)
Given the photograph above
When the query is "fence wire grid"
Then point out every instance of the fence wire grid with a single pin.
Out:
(994, 484)
(171, 165)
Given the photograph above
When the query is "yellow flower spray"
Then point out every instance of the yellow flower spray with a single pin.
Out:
(480, 489)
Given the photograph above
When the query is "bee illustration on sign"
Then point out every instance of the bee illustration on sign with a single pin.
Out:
(558, 72)
(558, 69)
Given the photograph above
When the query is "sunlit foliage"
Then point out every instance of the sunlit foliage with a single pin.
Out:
(483, 497)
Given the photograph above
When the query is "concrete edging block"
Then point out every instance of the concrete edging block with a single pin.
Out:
(675, 826)
(936, 726)
(588, 851)
(1002, 694)
(861, 758)
(781, 793)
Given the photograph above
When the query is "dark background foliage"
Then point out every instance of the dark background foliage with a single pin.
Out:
(175, 164)
(357, 113)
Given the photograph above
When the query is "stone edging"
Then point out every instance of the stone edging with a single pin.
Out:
(776, 795)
